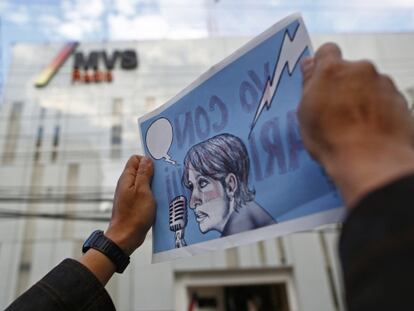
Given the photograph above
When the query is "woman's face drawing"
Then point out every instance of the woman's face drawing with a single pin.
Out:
(208, 200)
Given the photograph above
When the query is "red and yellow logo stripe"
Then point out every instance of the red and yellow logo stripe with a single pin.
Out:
(47, 74)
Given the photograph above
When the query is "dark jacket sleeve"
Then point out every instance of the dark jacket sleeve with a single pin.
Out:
(377, 249)
(69, 286)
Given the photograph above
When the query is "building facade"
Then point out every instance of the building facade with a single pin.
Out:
(64, 143)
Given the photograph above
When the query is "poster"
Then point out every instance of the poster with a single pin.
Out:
(230, 166)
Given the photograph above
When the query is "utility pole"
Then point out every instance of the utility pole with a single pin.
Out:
(1, 63)
(211, 18)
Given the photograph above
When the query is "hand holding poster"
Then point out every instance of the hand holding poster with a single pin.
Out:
(230, 166)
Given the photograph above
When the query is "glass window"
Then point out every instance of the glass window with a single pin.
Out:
(12, 133)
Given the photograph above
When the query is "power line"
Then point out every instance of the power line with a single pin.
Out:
(69, 136)
(54, 216)
(40, 240)
(63, 199)
(66, 189)
(62, 152)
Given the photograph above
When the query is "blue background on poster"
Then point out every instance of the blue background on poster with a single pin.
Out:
(284, 184)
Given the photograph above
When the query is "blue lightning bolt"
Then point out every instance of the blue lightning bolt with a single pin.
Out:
(291, 51)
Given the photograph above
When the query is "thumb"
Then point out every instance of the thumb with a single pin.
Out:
(144, 172)
(328, 52)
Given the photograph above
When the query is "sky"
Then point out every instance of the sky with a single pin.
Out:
(97, 20)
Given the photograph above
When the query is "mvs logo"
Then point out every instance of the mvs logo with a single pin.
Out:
(128, 60)
(91, 67)
(97, 66)
(48, 73)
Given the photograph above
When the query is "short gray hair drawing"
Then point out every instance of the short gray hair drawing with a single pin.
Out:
(219, 156)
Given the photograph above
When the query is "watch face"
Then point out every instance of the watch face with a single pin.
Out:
(91, 240)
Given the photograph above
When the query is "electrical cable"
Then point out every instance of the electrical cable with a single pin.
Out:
(55, 216)
(68, 200)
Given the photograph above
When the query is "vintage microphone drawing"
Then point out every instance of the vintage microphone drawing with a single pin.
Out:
(178, 219)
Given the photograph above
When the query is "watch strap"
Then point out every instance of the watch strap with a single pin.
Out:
(97, 240)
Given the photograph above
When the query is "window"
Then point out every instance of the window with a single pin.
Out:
(39, 140)
(116, 128)
(116, 133)
(12, 133)
(39, 135)
(55, 143)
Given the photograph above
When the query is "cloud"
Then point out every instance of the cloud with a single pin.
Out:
(185, 19)
(17, 15)
(79, 9)
(78, 19)
(125, 7)
(78, 29)
(48, 20)
(4, 5)
(122, 27)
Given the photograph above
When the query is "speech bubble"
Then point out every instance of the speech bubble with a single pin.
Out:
(159, 139)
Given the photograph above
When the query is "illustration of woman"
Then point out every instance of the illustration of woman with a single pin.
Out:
(216, 171)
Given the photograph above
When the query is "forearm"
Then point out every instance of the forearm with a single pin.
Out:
(99, 264)
(69, 286)
(377, 248)
(360, 169)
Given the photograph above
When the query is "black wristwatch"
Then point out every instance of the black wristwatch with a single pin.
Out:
(97, 240)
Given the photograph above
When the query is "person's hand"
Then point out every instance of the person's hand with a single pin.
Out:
(355, 122)
(134, 206)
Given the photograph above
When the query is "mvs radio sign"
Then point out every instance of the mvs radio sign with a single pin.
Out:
(91, 67)
(97, 66)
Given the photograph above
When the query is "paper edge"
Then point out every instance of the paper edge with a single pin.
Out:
(287, 227)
